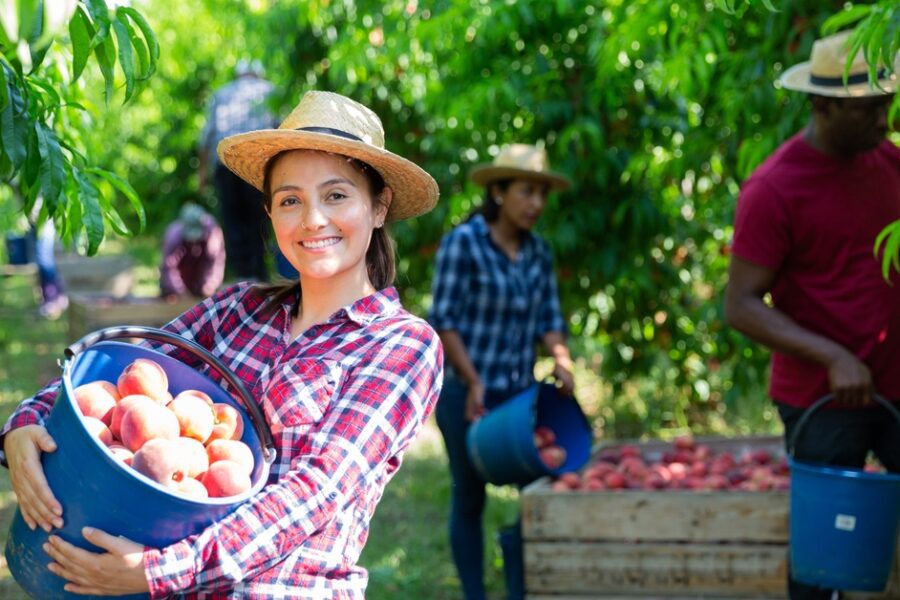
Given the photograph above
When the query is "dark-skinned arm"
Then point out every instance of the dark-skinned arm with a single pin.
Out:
(850, 380)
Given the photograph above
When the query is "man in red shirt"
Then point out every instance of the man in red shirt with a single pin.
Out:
(804, 232)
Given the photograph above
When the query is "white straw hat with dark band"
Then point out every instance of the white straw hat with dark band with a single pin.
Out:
(519, 161)
(333, 123)
(823, 73)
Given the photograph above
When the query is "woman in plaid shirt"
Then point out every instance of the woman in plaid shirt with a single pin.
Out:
(495, 298)
(344, 375)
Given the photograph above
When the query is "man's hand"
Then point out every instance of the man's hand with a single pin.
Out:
(850, 380)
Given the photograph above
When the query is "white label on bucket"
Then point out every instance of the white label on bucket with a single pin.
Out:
(845, 522)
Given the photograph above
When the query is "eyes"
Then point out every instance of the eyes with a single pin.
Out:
(289, 200)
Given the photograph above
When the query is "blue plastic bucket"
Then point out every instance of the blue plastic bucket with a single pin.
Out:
(96, 489)
(501, 443)
(843, 522)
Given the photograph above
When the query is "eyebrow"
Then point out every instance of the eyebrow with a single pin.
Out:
(334, 181)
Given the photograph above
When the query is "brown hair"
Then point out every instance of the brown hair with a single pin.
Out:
(380, 256)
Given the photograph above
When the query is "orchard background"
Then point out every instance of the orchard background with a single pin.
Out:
(658, 110)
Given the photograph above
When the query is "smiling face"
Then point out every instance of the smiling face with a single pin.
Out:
(523, 201)
(323, 214)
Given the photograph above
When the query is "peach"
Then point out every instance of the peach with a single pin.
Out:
(121, 408)
(162, 461)
(225, 478)
(195, 417)
(571, 480)
(233, 450)
(121, 453)
(553, 456)
(684, 442)
(229, 423)
(615, 481)
(144, 422)
(98, 429)
(95, 400)
(543, 437)
(195, 455)
(197, 393)
(193, 488)
(144, 376)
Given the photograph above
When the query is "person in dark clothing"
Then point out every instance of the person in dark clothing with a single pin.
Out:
(238, 107)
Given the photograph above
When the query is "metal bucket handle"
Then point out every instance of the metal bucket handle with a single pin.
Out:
(815, 406)
(161, 335)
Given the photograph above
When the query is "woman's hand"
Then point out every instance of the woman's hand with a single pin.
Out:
(475, 401)
(118, 571)
(23, 447)
(562, 371)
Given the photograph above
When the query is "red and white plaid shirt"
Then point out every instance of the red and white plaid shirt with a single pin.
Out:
(343, 401)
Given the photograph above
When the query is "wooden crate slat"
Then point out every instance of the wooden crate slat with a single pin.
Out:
(664, 515)
(735, 570)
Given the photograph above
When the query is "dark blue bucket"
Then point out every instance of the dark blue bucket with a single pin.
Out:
(501, 443)
(844, 522)
(96, 489)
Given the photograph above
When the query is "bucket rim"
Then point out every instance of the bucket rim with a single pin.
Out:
(226, 501)
(822, 469)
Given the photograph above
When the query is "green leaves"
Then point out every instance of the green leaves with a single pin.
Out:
(889, 238)
(41, 135)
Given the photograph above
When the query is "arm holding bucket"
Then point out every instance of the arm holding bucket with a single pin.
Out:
(849, 378)
(562, 361)
(348, 455)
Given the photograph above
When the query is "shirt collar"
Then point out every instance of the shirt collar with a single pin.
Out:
(365, 310)
(481, 227)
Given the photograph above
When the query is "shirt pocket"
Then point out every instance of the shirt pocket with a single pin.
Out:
(300, 393)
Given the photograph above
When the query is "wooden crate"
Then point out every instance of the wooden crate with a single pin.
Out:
(111, 275)
(672, 544)
(89, 312)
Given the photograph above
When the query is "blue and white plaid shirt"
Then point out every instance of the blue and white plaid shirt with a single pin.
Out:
(237, 107)
(500, 308)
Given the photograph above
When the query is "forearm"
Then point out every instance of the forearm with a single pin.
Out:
(774, 329)
(458, 357)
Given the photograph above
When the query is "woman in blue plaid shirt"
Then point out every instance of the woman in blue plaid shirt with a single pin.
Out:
(495, 299)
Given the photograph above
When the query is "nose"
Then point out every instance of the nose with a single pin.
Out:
(314, 218)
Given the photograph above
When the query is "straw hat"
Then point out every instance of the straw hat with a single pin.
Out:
(333, 123)
(823, 74)
(519, 160)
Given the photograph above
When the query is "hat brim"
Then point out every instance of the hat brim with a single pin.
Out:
(246, 155)
(797, 78)
(487, 173)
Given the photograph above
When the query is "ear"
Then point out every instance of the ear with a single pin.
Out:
(383, 204)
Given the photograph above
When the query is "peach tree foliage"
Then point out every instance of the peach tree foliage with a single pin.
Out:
(45, 47)
(658, 110)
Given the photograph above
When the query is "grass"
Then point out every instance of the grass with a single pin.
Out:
(407, 554)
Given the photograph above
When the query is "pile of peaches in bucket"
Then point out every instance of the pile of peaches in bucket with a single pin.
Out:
(187, 443)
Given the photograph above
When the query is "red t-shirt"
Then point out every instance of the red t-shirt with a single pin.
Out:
(813, 219)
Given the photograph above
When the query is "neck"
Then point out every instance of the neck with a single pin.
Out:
(815, 136)
(321, 298)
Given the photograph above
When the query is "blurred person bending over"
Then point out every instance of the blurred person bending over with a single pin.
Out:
(193, 257)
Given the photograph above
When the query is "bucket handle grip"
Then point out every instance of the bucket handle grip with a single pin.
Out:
(167, 337)
(815, 406)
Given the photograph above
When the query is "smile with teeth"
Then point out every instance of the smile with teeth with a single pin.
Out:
(314, 244)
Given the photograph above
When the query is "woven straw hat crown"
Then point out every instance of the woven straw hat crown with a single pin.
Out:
(332, 123)
(823, 74)
(519, 161)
